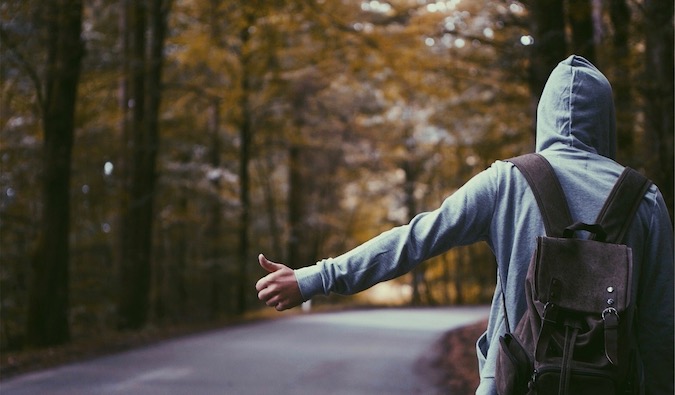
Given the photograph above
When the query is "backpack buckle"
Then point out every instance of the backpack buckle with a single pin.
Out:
(610, 310)
(610, 318)
(550, 314)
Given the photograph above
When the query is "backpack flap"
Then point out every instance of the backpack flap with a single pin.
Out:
(587, 278)
(584, 276)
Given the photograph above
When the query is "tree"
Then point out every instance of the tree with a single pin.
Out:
(658, 93)
(620, 17)
(245, 137)
(138, 209)
(547, 25)
(580, 16)
(47, 322)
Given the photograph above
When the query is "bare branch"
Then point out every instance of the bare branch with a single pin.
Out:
(24, 65)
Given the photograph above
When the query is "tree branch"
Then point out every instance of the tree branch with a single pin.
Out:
(24, 65)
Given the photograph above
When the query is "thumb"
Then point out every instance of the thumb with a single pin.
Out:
(269, 265)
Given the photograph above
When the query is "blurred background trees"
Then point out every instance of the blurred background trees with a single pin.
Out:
(147, 163)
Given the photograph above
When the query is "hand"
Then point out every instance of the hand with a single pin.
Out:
(278, 289)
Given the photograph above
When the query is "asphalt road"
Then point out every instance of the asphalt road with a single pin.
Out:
(352, 353)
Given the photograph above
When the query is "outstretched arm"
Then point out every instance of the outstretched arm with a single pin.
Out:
(463, 218)
(278, 289)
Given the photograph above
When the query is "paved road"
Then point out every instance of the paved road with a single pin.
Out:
(351, 353)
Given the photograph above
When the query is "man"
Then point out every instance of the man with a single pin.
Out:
(576, 133)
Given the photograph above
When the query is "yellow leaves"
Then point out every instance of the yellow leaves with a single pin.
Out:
(195, 48)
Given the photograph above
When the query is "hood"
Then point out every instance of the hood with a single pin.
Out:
(576, 109)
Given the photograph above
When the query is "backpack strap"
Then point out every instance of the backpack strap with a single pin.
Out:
(623, 201)
(547, 191)
(550, 198)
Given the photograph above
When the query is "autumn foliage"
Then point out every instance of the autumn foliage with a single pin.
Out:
(205, 132)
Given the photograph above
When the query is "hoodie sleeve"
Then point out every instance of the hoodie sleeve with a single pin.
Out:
(655, 303)
(462, 219)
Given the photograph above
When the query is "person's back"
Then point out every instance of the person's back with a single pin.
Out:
(576, 134)
(587, 179)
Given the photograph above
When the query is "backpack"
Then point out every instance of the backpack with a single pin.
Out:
(576, 336)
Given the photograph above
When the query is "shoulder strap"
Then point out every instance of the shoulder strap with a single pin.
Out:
(622, 203)
(547, 191)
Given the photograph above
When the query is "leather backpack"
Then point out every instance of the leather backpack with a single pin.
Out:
(576, 336)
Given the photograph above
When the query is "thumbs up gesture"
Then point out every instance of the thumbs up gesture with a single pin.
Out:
(278, 289)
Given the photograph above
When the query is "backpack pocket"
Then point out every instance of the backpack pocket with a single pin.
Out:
(514, 366)
(546, 380)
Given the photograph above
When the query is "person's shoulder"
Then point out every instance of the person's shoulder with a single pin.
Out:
(501, 166)
(500, 175)
(655, 202)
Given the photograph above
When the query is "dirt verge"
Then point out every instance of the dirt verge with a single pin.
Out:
(457, 360)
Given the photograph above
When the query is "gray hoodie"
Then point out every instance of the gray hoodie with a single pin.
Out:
(576, 133)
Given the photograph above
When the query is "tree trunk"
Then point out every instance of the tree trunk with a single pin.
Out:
(462, 252)
(266, 180)
(135, 270)
(245, 136)
(580, 16)
(659, 95)
(418, 273)
(48, 306)
(295, 205)
(145, 95)
(547, 25)
(621, 82)
(214, 225)
(447, 277)
(303, 164)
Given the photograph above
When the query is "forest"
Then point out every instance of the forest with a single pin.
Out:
(151, 149)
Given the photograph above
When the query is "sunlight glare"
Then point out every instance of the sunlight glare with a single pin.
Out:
(452, 4)
(443, 6)
(376, 6)
(516, 8)
(108, 168)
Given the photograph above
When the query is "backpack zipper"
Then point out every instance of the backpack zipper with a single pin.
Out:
(576, 371)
